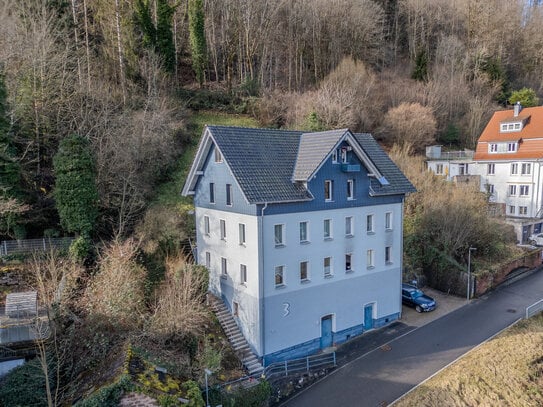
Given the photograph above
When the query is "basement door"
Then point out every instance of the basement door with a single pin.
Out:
(326, 331)
(368, 317)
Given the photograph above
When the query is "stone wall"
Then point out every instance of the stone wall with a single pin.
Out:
(487, 281)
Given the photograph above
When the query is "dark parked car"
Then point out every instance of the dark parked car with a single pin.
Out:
(414, 297)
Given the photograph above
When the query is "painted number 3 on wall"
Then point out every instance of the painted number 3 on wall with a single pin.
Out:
(286, 309)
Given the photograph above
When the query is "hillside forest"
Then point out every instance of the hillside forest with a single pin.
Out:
(101, 107)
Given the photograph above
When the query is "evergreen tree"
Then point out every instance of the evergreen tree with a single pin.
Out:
(164, 35)
(526, 96)
(144, 21)
(75, 189)
(197, 38)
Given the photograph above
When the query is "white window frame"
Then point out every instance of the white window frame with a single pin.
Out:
(349, 226)
(512, 190)
(303, 228)
(327, 269)
(328, 190)
(370, 224)
(279, 276)
(350, 189)
(344, 156)
(439, 169)
(511, 210)
(207, 228)
(224, 267)
(524, 190)
(493, 148)
(491, 169)
(279, 239)
(208, 260)
(370, 258)
(514, 168)
(229, 197)
(303, 264)
(218, 155)
(388, 221)
(334, 157)
(388, 254)
(490, 188)
(329, 223)
(526, 169)
(243, 274)
(242, 236)
(222, 225)
(212, 192)
(523, 210)
(511, 147)
(348, 262)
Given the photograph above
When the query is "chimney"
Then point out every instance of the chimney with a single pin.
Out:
(518, 108)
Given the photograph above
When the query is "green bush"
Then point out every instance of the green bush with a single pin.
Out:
(24, 386)
(194, 394)
(80, 248)
(108, 396)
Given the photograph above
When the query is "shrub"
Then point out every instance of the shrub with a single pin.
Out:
(108, 396)
(194, 394)
(24, 386)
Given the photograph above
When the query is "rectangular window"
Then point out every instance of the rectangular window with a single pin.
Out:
(303, 232)
(463, 169)
(348, 264)
(279, 276)
(242, 233)
(242, 273)
(524, 190)
(349, 226)
(218, 156)
(511, 209)
(223, 229)
(279, 232)
(211, 192)
(526, 169)
(512, 147)
(491, 169)
(514, 168)
(208, 260)
(517, 127)
(512, 190)
(224, 267)
(328, 190)
(350, 189)
(344, 158)
(388, 221)
(388, 254)
(235, 309)
(523, 210)
(490, 188)
(206, 225)
(229, 194)
(303, 271)
(369, 223)
(334, 157)
(439, 169)
(493, 148)
(327, 228)
(327, 264)
(510, 126)
(369, 258)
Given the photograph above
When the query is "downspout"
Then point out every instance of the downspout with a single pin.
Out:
(261, 280)
(401, 254)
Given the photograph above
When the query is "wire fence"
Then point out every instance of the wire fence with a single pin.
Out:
(27, 246)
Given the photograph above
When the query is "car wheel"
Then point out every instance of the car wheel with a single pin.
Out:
(533, 242)
(418, 308)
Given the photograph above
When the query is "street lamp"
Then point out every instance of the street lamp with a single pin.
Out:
(208, 373)
(469, 268)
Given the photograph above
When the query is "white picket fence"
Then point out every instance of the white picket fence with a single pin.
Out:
(8, 247)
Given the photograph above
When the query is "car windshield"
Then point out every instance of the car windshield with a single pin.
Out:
(417, 293)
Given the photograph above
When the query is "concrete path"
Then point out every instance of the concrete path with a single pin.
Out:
(385, 373)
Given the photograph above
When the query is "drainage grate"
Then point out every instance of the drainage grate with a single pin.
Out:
(512, 311)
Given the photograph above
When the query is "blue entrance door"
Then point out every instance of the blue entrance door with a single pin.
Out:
(368, 317)
(326, 331)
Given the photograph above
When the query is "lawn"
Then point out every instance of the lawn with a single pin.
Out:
(506, 371)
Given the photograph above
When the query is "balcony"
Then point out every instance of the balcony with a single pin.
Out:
(350, 167)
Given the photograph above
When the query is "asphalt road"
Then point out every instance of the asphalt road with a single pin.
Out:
(384, 374)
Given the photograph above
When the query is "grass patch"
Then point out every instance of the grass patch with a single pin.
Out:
(506, 371)
(169, 193)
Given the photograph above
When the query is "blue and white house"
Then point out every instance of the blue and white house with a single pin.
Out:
(301, 233)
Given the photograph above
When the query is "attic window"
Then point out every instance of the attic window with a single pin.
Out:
(507, 127)
(218, 156)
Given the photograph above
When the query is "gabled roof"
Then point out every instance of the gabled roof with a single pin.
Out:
(272, 165)
(530, 138)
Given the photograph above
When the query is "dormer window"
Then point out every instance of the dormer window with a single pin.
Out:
(344, 156)
(492, 148)
(511, 147)
(502, 148)
(513, 126)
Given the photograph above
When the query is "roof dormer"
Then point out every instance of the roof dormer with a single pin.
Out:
(515, 123)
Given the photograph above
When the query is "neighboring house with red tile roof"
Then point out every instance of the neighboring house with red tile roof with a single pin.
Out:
(509, 159)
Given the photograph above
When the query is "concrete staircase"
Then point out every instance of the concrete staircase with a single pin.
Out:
(234, 335)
